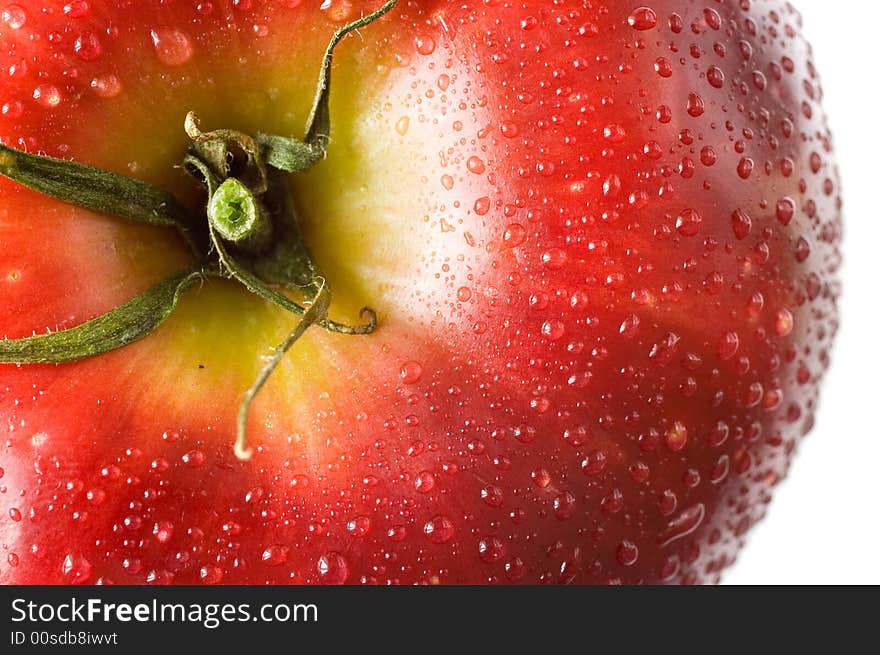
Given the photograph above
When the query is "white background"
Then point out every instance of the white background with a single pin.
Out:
(824, 525)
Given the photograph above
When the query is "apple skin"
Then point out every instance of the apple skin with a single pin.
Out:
(602, 243)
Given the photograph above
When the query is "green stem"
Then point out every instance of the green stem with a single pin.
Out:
(239, 216)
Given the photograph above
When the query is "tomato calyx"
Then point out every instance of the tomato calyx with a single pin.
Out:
(251, 234)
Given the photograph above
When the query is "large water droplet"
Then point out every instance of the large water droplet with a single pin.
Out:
(14, 16)
(514, 235)
(695, 105)
(411, 372)
(425, 482)
(785, 210)
(163, 531)
(88, 46)
(76, 569)
(482, 206)
(12, 109)
(425, 44)
(745, 167)
(627, 553)
(742, 224)
(173, 47)
(476, 165)
(784, 322)
(683, 525)
(77, 9)
(47, 95)
(210, 575)
(333, 568)
(491, 495)
(491, 549)
(397, 533)
(275, 555)
(439, 529)
(358, 526)
(194, 458)
(564, 505)
(676, 436)
(689, 222)
(642, 18)
(728, 344)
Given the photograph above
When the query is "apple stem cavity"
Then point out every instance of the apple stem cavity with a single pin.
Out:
(248, 232)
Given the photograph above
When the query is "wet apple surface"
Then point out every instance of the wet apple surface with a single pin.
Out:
(601, 242)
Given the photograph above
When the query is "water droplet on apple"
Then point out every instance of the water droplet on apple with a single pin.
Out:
(47, 95)
(491, 549)
(76, 569)
(358, 526)
(88, 46)
(684, 524)
(425, 482)
(14, 16)
(785, 209)
(338, 11)
(163, 531)
(411, 372)
(439, 529)
(784, 322)
(564, 505)
(77, 9)
(515, 569)
(275, 555)
(425, 44)
(676, 436)
(476, 165)
(728, 345)
(689, 222)
(397, 533)
(643, 18)
(106, 86)
(194, 458)
(492, 495)
(210, 575)
(173, 47)
(627, 553)
(12, 109)
(482, 206)
(514, 235)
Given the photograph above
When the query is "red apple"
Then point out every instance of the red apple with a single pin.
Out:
(601, 242)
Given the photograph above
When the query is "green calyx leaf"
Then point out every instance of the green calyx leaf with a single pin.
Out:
(99, 190)
(288, 154)
(318, 124)
(117, 328)
(292, 155)
(314, 314)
